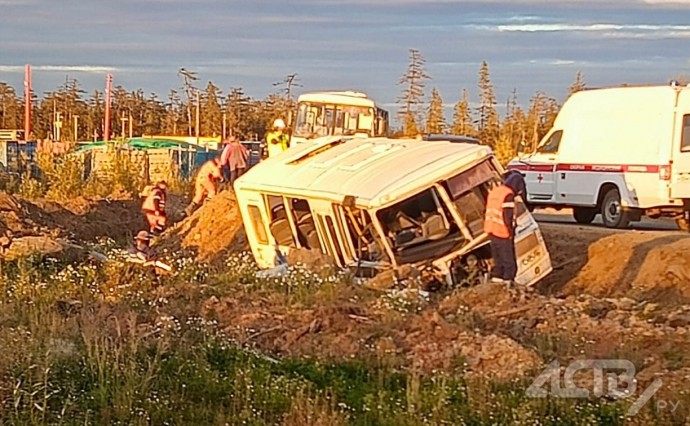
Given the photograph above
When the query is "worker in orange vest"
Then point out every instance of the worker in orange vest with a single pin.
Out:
(154, 207)
(205, 184)
(499, 224)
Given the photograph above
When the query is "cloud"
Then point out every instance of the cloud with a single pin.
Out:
(96, 69)
(672, 2)
(387, 3)
(638, 31)
(304, 19)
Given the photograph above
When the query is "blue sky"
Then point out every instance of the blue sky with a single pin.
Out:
(530, 45)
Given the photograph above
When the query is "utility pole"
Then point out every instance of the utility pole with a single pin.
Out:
(130, 124)
(108, 89)
(123, 120)
(290, 81)
(76, 120)
(27, 103)
(58, 127)
(54, 133)
(189, 88)
(197, 121)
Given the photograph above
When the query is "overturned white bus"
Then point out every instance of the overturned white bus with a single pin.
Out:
(377, 204)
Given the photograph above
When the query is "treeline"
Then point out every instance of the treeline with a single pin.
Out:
(421, 114)
(139, 113)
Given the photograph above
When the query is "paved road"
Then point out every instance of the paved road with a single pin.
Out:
(564, 217)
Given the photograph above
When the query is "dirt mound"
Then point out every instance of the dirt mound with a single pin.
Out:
(644, 266)
(83, 219)
(48, 226)
(212, 232)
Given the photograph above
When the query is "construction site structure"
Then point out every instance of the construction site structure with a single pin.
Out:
(377, 204)
(334, 113)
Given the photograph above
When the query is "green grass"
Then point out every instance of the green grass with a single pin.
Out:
(138, 352)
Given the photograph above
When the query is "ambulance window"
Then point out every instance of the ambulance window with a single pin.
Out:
(279, 225)
(551, 145)
(685, 138)
(258, 224)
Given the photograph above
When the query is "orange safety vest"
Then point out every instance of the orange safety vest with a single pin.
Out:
(493, 219)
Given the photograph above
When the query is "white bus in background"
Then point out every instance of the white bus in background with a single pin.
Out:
(621, 152)
(336, 113)
(376, 204)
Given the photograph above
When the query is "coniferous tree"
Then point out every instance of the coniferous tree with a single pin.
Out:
(95, 115)
(435, 121)
(488, 124)
(462, 117)
(578, 85)
(211, 113)
(542, 112)
(10, 108)
(172, 122)
(512, 130)
(412, 96)
(238, 111)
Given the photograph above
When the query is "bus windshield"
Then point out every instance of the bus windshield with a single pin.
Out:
(319, 119)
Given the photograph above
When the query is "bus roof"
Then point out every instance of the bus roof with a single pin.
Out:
(346, 97)
(375, 171)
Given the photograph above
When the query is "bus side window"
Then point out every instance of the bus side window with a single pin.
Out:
(279, 225)
(304, 221)
(258, 224)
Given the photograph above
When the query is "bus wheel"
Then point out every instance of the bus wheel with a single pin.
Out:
(612, 212)
(584, 215)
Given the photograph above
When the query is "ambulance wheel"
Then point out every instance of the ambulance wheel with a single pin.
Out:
(584, 215)
(612, 212)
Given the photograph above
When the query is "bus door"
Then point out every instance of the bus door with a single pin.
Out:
(253, 209)
(329, 231)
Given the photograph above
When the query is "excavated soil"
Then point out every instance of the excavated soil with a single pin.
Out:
(212, 232)
(612, 295)
(50, 227)
(643, 265)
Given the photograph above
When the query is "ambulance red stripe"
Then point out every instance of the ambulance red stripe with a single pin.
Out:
(602, 168)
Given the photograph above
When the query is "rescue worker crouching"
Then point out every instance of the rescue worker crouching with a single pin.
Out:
(143, 254)
(154, 207)
(276, 140)
(205, 184)
(500, 223)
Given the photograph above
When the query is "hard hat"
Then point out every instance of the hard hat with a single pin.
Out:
(162, 184)
(143, 236)
(279, 123)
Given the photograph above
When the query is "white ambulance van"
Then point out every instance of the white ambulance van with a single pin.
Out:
(375, 204)
(620, 152)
